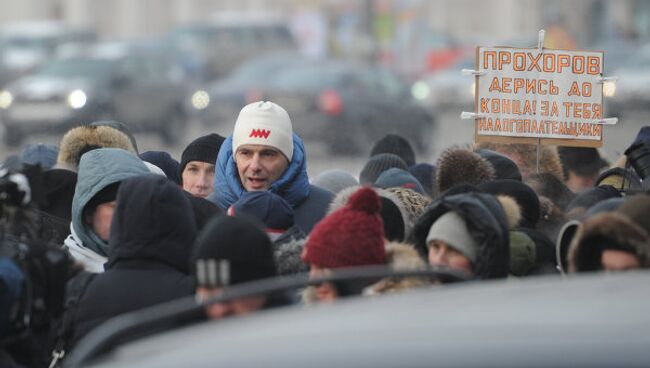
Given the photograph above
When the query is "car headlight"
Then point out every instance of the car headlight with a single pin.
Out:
(6, 98)
(609, 88)
(473, 89)
(77, 99)
(420, 90)
(200, 99)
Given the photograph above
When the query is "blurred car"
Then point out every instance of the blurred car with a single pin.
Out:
(219, 102)
(447, 89)
(593, 320)
(24, 46)
(631, 92)
(124, 82)
(213, 49)
(348, 106)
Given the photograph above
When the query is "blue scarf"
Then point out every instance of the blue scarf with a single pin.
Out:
(292, 186)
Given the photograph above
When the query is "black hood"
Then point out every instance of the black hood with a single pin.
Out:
(153, 220)
(485, 220)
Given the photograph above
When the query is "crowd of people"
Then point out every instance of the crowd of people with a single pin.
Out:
(144, 229)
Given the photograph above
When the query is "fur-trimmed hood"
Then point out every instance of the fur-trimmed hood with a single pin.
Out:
(584, 255)
(80, 140)
(400, 256)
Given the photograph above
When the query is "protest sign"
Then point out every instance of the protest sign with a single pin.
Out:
(523, 95)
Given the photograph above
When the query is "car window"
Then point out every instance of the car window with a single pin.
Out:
(133, 68)
(82, 67)
(228, 37)
(309, 78)
(390, 84)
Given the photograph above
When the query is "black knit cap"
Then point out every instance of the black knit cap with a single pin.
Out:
(232, 250)
(165, 162)
(397, 145)
(393, 220)
(504, 167)
(203, 149)
(377, 165)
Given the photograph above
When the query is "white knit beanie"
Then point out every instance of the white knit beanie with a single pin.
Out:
(264, 123)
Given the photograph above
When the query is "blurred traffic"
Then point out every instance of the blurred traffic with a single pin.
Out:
(348, 73)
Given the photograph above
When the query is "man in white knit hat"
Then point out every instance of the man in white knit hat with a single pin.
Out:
(263, 153)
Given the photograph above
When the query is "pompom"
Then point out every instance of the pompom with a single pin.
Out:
(366, 200)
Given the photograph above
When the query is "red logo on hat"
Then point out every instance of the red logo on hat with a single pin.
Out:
(259, 133)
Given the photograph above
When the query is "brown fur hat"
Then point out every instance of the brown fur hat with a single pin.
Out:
(525, 156)
(82, 139)
(461, 166)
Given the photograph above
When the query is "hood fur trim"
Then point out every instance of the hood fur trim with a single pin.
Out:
(511, 209)
(78, 140)
(400, 256)
(618, 227)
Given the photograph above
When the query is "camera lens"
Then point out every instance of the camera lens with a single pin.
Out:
(639, 157)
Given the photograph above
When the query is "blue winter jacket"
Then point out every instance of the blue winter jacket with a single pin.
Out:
(309, 202)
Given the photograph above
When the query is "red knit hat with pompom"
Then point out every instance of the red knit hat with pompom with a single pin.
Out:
(351, 236)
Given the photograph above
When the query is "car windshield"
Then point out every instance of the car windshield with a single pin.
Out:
(82, 67)
(262, 69)
(308, 78)
(192, 36)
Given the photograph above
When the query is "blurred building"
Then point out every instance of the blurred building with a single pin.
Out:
(381, 28)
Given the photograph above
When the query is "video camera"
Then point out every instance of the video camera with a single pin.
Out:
(32, 274)
(638, 156)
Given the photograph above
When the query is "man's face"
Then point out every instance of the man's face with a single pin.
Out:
(101, 219)
(198, 178)
(259, 166)
(236, 307)
(441, 254)
(617, 260)
(580, 183)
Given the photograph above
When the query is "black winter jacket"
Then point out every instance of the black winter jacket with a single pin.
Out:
(487, 223)
(151, 235)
